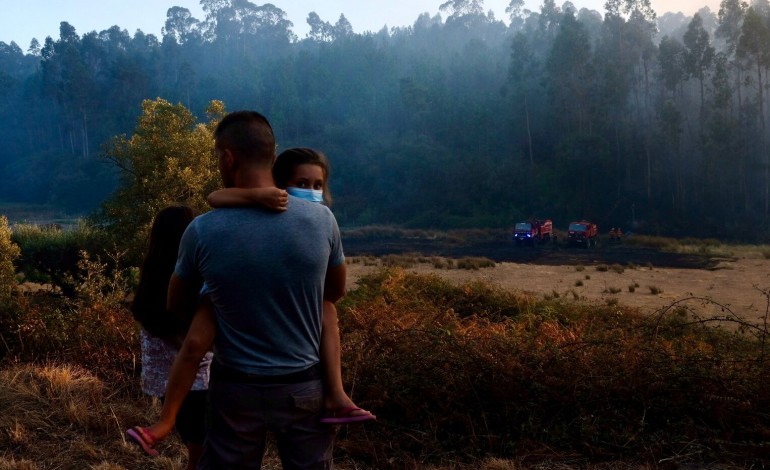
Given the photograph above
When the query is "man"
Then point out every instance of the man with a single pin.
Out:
(266, 275)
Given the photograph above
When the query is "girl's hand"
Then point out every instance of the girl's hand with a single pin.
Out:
(276, 199)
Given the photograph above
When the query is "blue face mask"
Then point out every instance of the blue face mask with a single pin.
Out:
(312, 195)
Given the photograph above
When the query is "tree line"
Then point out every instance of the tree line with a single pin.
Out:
(655, 124)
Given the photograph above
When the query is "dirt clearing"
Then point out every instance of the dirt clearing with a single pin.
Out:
(735, 284)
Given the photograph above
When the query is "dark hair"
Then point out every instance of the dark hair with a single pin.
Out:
(290, 159)
(149, 306)
(247, 134)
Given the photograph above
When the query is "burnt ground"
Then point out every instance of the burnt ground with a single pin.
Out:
(554, 254)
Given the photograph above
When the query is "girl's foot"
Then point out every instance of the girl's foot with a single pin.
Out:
(144, 439)
(347, 415)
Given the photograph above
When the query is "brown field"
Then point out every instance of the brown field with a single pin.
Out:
(736, 285)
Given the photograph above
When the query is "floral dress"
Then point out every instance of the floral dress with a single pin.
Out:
(157, 358)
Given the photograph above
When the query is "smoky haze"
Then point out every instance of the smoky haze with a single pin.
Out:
(655, 123)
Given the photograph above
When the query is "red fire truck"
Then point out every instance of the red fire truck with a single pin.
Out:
(540, 230)
(583, 233)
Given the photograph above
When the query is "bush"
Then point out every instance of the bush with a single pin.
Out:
(50, 254)
(93, 329)
(475, 263)
(9, 252)
(466, 370)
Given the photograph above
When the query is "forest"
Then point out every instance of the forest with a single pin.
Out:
(656, 124)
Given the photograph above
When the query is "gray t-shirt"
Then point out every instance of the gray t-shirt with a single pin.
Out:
(265, 274)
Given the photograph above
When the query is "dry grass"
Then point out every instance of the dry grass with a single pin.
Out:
(461, 377)
(62, 416)
(410, 260)
(458, 236)
(507, 370)
(704, 246)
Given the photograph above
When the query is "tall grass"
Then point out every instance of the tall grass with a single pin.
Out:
(458, 236)
(464, 372)
(49, 254)
(460, 376)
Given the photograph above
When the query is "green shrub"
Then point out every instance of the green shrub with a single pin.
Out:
(602, 268)
(400, 261)
(50, 254)
(617, 268)
(9, 252)
(475, 263)
(442, 263)
(94, 328)
(655, 290)
(411, 290)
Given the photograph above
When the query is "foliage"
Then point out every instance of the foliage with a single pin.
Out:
(466, 375)
(475, 263)
(561, 113)
(50, 254)
(9, 252)
(166, 161)
(93, 329)
(63, 415)
(498, 374)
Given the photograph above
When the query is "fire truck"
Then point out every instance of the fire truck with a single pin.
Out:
(533, 230)
(583, 233)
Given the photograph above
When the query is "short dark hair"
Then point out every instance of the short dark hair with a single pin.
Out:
(248, 134)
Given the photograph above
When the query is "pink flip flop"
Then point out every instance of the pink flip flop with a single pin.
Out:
(143, 439)
(345, 416)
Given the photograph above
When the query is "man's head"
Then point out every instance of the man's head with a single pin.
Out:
(243, 141)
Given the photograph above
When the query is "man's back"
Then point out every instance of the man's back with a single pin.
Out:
(265, 274)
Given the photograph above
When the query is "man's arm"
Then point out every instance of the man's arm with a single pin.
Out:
(183, 296)
(334, 285)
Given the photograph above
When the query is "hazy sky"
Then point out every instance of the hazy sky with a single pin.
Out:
(20, 21)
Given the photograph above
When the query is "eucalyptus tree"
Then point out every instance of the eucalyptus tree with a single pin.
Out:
(571, 78)
(459, 8)
(753, 50)
(671, 61)
(515, 11)
(525, 86)
(181, 26)
(698, 57)
(625, 55)
(323, 31)
(731, 15)
(320, 30)
(69, 72)
(581, 149)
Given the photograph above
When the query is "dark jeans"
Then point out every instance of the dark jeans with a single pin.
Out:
(241, 414)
